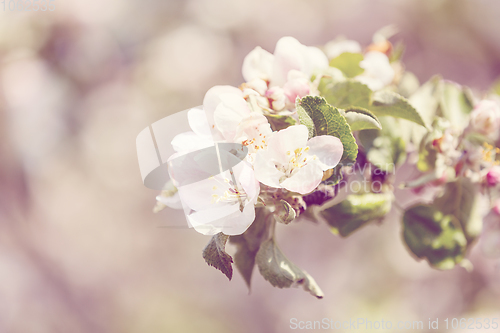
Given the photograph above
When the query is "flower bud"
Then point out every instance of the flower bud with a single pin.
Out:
(485, 119)
(493, 176)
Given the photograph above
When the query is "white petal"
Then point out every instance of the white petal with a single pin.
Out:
(212, 100)
(198, 122)
(305, 180)
(289, 54)
(289, 139)
(265, 170)
(328, 149)
(257, 64)
(190, 141)
(372, 83)
(377, 66)
(315, 60)
(212, 97)
(229, 113)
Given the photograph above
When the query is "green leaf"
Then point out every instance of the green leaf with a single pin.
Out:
(361, 119)
(281, 272)
(345, 94)
(279, 122)
(388, 103)
(456, 104)
(356, 211)
(352, 94)
(432, 235)
(285, 214)
(385, 148)
(248, 244)
(461, 199)
(323, 119)
(215, 255)
(348, 63)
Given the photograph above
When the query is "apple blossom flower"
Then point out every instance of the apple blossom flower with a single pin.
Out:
(289, 55)
(293, 162)
(485, 119)
(222, 203)
(378, 70)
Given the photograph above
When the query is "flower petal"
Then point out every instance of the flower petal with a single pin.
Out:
(305, 180)
(265, 169)
(289, 139)
(328, 149)
(190, 141)
(258, 64)
(198, 122)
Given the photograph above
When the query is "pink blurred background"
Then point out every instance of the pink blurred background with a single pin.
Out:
(80, 248)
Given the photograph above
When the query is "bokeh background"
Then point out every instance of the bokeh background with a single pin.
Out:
(80, 248)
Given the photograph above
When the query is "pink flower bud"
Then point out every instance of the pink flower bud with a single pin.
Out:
(493, 176)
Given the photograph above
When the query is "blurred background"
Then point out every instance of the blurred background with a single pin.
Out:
(80, 248)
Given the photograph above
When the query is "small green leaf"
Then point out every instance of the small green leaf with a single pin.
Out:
(345, 94)
(356, 211)
(281, 272)
(248, 244)
(461, 199)
(279, 122)
(388, 103)
(384, 148)
(352, 94)
(432, 235)
(215, 255)
(348, 63)
(361, 119)
(323, 119)
(285, 214)
(456, 104)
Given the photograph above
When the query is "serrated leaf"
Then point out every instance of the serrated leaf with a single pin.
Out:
(327, 120)
(432, 235)
(248, 244)
(281, 272)
(388, 103)
(345, 94)
(215, 255)
(356, 211)
(285, 214)
(361, 119)
(348, 63)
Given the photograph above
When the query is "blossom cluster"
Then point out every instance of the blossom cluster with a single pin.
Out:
(303, 117)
